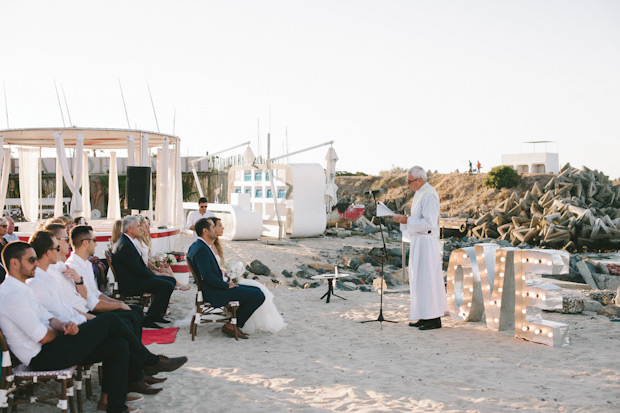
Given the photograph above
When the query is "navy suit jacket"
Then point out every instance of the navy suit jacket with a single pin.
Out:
(214, 289)
(129, 266)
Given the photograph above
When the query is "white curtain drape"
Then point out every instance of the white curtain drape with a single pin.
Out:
(164, 179)
(58, 205)
(114, 202)
(74, 183)
(131, 161)
(5, 160)
(176, 194)
(29, 182)
(86, 213)
(331, 189)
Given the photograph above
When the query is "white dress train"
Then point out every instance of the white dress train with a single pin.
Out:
(266, 318)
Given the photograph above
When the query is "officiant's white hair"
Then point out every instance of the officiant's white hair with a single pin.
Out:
(417, 172)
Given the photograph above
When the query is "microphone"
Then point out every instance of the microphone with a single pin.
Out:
(374, 191)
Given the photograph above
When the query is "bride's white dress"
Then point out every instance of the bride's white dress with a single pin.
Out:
(267, 317)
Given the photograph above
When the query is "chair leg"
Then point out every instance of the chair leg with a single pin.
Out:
(62, 402)
(70, 394)
(192, 327)
(78, 388)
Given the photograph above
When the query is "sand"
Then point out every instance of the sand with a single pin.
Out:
(326, 360)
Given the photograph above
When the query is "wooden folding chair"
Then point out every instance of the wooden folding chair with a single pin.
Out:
(21, 377)
(144, 299)
(206, 313)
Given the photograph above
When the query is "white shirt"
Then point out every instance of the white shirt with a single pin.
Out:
(11, 237)
(67, 287)
(47, 291)
(85, 269)
(194, 216)
(24, 322)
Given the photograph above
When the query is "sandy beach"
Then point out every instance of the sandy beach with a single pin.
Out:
(325, 360)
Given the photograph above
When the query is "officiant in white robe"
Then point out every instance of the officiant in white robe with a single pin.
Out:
(428, 294)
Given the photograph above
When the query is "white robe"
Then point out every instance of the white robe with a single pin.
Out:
(428, 293)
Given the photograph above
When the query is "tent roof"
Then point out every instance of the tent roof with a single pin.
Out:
(94, 138)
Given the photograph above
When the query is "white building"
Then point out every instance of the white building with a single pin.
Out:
(533, 162)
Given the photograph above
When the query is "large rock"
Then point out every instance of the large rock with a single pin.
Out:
(592, 305)
(572, 304)
(351, 262)
(609, 311)
(258, 268)
(321, 266)
(604, 297)
(607, 281)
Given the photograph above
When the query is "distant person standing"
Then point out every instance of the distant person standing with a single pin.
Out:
(428, 294)
(478, 166)
(202, 212)
(470, 167)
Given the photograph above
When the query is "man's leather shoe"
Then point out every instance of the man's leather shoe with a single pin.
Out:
(165, 364)
(161, 320)
(431, 324)
(150, 323)
(418, 323)
(231, 332)
(154, 380)
(143, 388)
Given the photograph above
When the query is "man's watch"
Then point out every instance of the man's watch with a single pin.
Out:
(81, 281)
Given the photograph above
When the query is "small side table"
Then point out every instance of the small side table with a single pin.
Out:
(331, 281)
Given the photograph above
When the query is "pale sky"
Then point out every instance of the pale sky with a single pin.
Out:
(434, 83)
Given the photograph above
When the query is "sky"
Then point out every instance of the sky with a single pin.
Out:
(392, 83)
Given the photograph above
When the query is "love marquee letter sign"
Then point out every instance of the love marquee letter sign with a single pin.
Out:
(505, 284)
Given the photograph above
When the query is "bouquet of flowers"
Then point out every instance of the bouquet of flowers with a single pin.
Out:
(234, 271)
(163, 259)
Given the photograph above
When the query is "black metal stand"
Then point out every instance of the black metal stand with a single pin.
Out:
(380, 319)
(330, 290)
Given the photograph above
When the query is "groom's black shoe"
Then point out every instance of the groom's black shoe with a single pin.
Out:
(150, 323)
(431, 324)
(418, 323)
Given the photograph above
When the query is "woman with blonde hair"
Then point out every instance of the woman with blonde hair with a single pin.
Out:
(266, 317)
(144, 241)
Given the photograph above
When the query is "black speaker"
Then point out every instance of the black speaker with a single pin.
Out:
(137, 187)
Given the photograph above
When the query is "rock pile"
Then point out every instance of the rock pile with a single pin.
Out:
(577, 208)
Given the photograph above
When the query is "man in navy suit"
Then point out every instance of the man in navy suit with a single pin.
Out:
(135, 278)
(214, 289)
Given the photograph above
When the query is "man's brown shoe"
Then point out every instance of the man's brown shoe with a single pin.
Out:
(154, 380)
(165, 364)
(142, 388)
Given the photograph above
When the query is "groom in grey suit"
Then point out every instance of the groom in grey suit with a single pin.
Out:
(214, 289)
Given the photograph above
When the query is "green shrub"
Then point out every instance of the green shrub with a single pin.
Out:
(346, 173)
(501, 177)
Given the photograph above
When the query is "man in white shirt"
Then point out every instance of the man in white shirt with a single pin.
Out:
(194, 216)
(71, 283)
(10, 236)
(44, 285)
(43, 342)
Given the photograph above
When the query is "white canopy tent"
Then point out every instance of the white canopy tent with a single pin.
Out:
(169, 189)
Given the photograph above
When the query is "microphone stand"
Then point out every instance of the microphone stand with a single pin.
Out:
(380, 318)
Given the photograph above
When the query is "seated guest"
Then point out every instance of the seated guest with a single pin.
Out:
(144, 246)
(134, 277)
(50, 295)
(83, 242)
(10, 233)
(4, 227)
(44, 285)
(266, 317)
(43, 342)
(214, 289)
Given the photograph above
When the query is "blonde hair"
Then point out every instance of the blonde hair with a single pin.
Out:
(117, 230)
(142, 237)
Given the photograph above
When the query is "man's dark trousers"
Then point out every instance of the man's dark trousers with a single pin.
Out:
(104, 339)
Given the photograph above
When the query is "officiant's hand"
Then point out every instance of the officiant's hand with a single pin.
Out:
(232, 285)
(401, 219)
